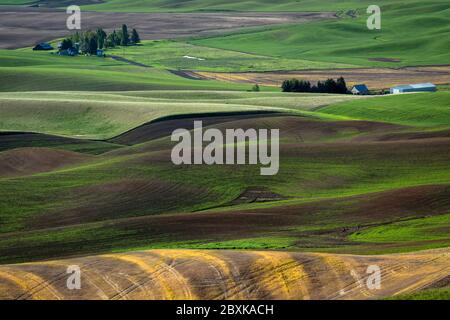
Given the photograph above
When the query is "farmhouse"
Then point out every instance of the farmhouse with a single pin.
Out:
(44, 46)
(420, 87)
(360, 89)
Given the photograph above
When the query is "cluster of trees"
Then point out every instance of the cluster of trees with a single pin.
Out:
(327, 86)
(90, 41)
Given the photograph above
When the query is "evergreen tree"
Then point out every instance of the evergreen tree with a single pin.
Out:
(110, 41)
(101, 38)
(66, 44)
(84, 44)
(118, 38)
(306, 86)
(93, 46)
(341, 86)
(286, 86)
(330, 86)
(135, 37)
(125, 36)
(295, 85)
(76, 38)
(320, 87)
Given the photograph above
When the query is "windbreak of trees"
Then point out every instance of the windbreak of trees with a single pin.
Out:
(327, 86)
(90, 41)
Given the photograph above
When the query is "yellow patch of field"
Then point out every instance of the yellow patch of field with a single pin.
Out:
(201, 274)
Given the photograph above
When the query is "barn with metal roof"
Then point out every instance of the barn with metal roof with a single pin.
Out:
(420, 87)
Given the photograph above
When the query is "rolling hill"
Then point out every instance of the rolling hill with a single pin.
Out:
(348, 40)
(423, 110)
(23, 70)
(86, 175)
(205, 5)
(251, 275)
(129, 197)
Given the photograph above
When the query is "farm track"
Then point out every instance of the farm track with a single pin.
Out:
(197, 274)
(131, 62)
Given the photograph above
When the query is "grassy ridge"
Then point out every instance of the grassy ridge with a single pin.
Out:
(431, 228)
(430, 294)
(102, 119)
(233, 5)
(14, 2)
(349, 41)
(169, 54)
(106, 114)
(101, 115)
(420, 109)
(86, 118)
(23, 70)
(219, 5)
(14, 140)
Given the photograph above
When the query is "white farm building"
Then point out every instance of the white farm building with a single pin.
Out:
(421, 87)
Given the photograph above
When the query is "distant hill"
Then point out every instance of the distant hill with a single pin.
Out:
(217, 5)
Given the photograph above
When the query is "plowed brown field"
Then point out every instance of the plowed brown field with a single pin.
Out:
(27, 161)
(25, 26)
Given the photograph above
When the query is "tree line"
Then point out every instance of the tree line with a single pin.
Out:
(327, 86)
(89, 42)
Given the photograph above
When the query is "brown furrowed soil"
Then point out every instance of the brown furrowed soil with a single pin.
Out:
(230, 275)
(294, 128)
(27, 161)
(122, 198)
(374, 78)
(158, 129)
(25, 26)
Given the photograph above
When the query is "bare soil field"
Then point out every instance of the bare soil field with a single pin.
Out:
(158, 129)
(26, 26)
(374, 78)
(27, 161)
(299, 129)
(194, 274)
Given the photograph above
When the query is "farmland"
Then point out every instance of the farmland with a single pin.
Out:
(348, 41)
(25, 71)
(359, 163)
(173, 274)
(410, 113)
(169, 54)
(374, 78)
(86, 176)
(23, 26)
